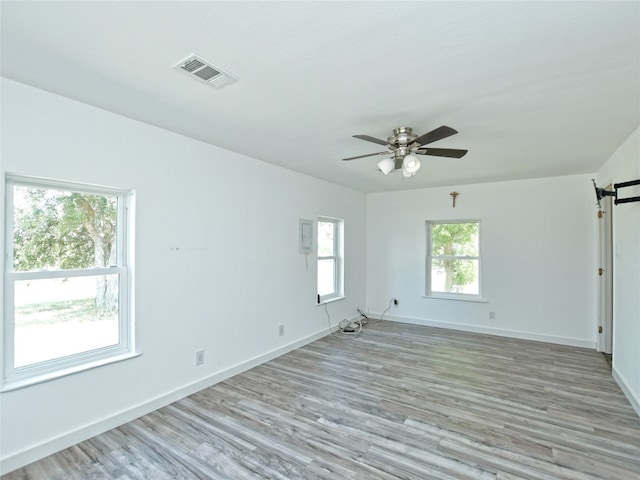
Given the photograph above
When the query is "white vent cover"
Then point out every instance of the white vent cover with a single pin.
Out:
(204, 71)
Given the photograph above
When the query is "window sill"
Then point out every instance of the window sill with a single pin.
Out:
(11, 385)
(331, 300)
(461, 298)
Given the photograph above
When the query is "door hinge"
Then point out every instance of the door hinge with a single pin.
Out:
(600, 329)
(600, 271)
(600, 213)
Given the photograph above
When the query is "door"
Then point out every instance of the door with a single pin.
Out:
(605, 276)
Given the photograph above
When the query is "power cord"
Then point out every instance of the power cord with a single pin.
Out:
(365, 318)
(345, 327)
(328, 317)
(355, 327)
(350, 328)
(392, 301)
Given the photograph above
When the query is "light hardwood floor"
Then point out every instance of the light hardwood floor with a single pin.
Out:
(399, 401)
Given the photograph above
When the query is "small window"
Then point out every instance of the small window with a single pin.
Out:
(453, 258)
(67, 278)
(329, 259)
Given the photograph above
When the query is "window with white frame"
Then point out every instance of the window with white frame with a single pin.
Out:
(453, 258)
(330, 261)
(67, 278)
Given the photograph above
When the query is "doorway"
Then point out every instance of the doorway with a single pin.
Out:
(604, 341)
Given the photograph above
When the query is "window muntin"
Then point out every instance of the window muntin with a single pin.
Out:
(329, 258)
(66, 277)
(453, 258)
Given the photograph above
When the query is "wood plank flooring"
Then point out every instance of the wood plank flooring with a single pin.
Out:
(398, 401)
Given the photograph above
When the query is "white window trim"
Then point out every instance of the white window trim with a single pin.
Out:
(457, 296)
(12, 378)
(469, 297)
(330, 300)
(337, 257)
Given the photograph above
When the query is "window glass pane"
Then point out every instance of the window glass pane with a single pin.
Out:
(456, 239)
(57, 230)
(326, 277)
(326, 239)
(58, 317)
(455, 276)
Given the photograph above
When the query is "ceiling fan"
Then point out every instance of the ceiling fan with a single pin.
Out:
(404, 145)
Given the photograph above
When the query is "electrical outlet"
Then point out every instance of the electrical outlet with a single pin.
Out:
(492, 315)
(199, 357)
(281, 330)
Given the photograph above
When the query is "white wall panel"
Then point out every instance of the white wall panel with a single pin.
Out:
(538, 260)
(217, 261)
(623, 166)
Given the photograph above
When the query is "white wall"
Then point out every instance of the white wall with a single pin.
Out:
(238, 273)
(624, 166)
(538, 257)
(236, 277)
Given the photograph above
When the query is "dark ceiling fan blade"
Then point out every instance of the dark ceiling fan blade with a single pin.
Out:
(435, 135)
(442, 152)
(367, 155)
(371, 139)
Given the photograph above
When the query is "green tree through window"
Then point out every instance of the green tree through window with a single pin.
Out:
(59, 230)
(453, 259)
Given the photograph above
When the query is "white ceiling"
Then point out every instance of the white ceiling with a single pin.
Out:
(534, 88)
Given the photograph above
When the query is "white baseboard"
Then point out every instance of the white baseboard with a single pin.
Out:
(44, 449)
(624, 386)
(573, 342)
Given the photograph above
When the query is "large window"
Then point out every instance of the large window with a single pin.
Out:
(329, 259)
(67, 279)
(453, 259)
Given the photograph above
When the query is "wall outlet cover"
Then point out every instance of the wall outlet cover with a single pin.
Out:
(199, 357)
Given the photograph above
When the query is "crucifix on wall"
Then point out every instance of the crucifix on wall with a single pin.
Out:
(453, 196)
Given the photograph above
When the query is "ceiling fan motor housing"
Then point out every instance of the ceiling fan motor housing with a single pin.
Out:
(402, 136)
(399, 144)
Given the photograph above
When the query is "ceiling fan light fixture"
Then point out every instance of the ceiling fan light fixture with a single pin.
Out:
(410, 165)
(404, 145)
(386, 165)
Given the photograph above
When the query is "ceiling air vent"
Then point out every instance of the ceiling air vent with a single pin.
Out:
(205, 71)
